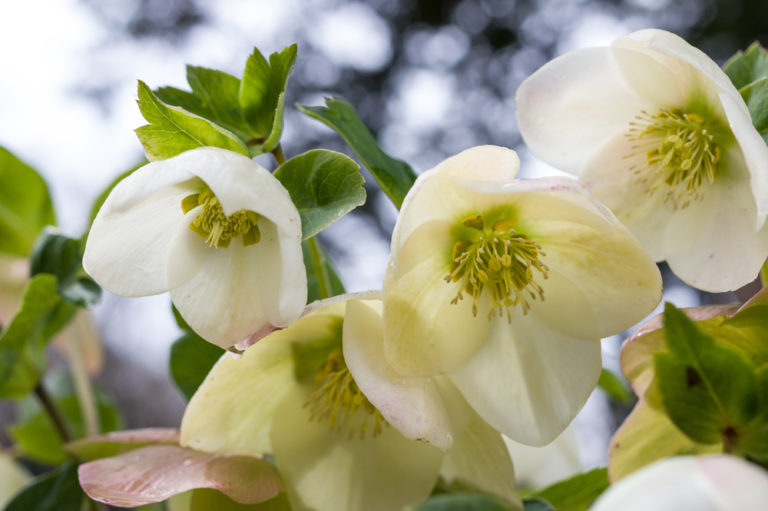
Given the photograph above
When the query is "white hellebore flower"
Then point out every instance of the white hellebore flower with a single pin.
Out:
(661, 136)
(507, 286)
(706, 483)
(346, 432)
(215, 229)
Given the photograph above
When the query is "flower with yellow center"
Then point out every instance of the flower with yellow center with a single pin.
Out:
(661, 136)
(347, 433)
(215, 229)
(506, 286)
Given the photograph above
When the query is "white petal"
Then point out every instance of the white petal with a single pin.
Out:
(712, 483)
(754, 150)
(528, 381)
(128, 244)
(410, 404)
(326, 471)
(240, 289)
(480, 460)
(187, 253)
(241, 183)
(538, 467)
(712, 244)
(555, 103)
(232, 411)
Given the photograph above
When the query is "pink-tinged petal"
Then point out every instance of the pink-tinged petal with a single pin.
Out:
(753, 148)
(528, 380)
(153, 474)
(480, 460)
(559, 122)
(118, 442)
(712, 483)
(412, 404)
(241, 183)
(329, 471)
(240, 290)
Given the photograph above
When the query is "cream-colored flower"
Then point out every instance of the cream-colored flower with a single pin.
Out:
(215, 229)
(346, 432)
(712, 483)
(507, 286)
(661, 136)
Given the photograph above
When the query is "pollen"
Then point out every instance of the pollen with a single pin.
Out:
(338, 400)
(217, 228)
(681, 154)
(501, 260)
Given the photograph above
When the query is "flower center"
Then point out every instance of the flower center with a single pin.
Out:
(338, 400)
(680, 154)
(501, 260)
(217, 228)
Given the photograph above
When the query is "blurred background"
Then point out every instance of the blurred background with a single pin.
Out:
(429, 77)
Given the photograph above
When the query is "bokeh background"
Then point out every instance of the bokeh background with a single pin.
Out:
(429, 77)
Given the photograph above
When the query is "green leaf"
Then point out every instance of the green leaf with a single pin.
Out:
(747, 67)
(61, 256)
(536, 504)
(756, 97)
(614, 387)
(105, 193)
(332, 276)
(173, 130)
(576, 493)
(395, 177)
(191, 359)
(204, 499)
(25, 205)
(36, 435)
(709, 390)
(58, 490)
(324, 186)
(464, 502)
(262, 94)
(218, 93)
(22, 345)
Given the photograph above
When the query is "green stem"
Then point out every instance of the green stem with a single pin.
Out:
(277, 152)
(764, 274)
(53, 412)
(83, 387)
(323, 282)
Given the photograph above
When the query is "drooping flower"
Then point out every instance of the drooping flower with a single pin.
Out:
(714, 482)
(346, 432)
(507, 286)
(215, 229)
(661, 136)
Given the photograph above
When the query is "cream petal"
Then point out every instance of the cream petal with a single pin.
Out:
(241, 183)
(480, 460)
(129, 241)
(187, 253)
(618, 283)
(713, 245)
(411, 404)
(554, 102)
(529, 381)
(424, 332)
(434, 197)
(754, 150)
(328, 471)
(240, 290)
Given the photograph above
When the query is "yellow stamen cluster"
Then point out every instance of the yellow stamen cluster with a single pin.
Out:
(338, 400)
(217, 228)
(680, 154)
(501, 260)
